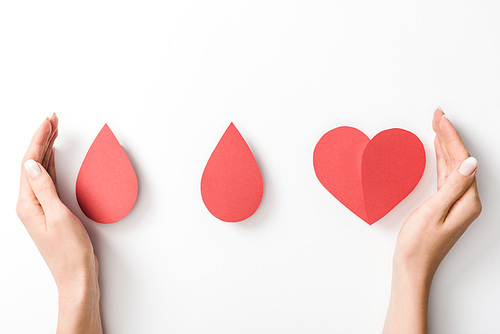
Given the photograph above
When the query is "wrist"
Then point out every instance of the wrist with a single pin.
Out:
(408, 277)
(414, 268)
(79, 310)
(76, 293)
(408, 305)
(77, 279)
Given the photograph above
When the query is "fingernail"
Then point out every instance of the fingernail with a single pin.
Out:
(45, 120)
(441, 109)
(445, 116)
(32, 168)
(468, 166)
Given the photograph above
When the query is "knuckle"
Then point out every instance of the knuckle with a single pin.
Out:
(442, 173)
(43, 186)
(477, 209)
(61, 215)
(21, 209)
(475, 205)
(455, 187)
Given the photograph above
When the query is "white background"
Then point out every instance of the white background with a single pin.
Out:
(169, 77)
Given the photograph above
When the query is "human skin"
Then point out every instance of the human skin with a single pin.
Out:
(432, 230)
(424, 240)
(59, 235)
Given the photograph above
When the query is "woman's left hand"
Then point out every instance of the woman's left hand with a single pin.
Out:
(59, 235)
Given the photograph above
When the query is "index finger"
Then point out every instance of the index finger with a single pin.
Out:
(54, 121)
(452, 141)
(36, 151)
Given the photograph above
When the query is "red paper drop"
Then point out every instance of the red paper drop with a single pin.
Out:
(369, 177)
(231, 185)
(106, 186)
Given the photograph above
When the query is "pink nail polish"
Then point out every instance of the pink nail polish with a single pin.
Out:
(468, 166)
(32, 168)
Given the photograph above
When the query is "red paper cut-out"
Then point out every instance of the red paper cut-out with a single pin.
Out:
(106, 186)
(369, 177)
(231, 185)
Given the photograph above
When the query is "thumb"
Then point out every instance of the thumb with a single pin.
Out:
(42, 185)
(457, 183)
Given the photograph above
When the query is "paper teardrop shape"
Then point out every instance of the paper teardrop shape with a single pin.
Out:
(231, 185)
(106, 186)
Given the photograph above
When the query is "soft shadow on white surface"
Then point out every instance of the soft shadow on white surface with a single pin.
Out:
(169, 77)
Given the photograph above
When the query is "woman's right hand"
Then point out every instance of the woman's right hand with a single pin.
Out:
(432, 230)
(435, 226)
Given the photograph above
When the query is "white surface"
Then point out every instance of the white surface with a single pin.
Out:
(170, 77)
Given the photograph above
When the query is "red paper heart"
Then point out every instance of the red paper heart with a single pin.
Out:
(106, 186)
(231, 185)
(369, 177)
